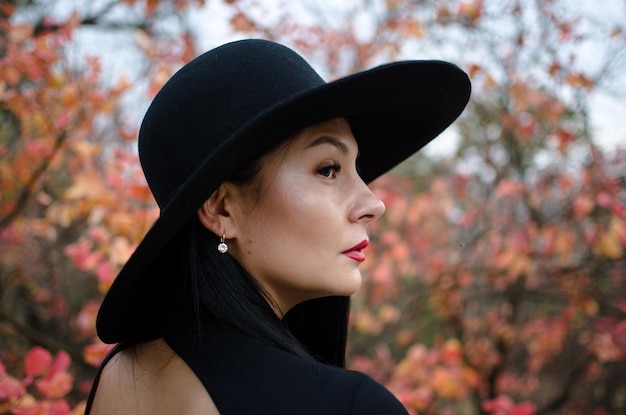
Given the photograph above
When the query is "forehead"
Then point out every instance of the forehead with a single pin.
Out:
(336, 131)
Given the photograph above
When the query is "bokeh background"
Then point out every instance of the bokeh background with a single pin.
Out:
(496, 283)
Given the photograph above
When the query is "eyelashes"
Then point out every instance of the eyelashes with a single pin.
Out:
(328, 169)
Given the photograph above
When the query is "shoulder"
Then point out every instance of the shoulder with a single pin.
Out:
(150, 379)
(339, 391)
(356, 392)
(372, 398)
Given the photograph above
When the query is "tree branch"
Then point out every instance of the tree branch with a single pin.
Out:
(562, 398)
(44, 340)
(31, 183)
(43, 27)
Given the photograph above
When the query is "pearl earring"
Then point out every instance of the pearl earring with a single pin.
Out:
(222, 247)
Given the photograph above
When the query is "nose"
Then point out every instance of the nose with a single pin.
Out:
(367, 206)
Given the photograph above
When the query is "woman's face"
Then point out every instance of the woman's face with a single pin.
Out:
(302, 234)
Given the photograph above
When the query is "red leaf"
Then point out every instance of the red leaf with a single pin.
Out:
(524, 408)
(29, 407)
(57, 383)
(509, 188)
(10, 388)
(105, 274)
(604, 199)
(63, 120)
(37, 361)
(499, 406)
(61, 363)
(60, 407)
(82, 256)
(36, 148)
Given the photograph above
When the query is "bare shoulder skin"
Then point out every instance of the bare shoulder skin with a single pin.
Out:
(150, 379)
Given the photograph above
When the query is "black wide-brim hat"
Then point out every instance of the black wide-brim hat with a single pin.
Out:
(230, 104)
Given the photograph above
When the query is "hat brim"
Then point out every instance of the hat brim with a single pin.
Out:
(394, 110)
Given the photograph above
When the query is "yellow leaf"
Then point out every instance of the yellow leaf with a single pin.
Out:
(609, 246)
(366, 322)
(449, 383)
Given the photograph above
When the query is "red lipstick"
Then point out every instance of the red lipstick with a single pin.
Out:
(356, 252)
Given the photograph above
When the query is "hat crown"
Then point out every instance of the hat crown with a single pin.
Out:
(208, 100)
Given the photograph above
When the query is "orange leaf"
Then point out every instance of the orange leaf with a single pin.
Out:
(451, 352)
(241, 23)
(94, 353)
(473, 70)
(151, 6)
(12, 75)
(449, 383)
(554, 68)
(55, 386)
(414, 28)
(471, 10)
(86, 319)
(7, 9)
(579, 80)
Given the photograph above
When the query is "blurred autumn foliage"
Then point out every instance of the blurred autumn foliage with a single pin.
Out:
(497, 280)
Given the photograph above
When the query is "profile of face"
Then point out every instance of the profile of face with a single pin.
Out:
(300, 229)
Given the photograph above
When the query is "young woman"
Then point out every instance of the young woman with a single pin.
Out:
(237, 299)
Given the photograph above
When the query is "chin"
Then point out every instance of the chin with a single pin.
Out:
(352, 286)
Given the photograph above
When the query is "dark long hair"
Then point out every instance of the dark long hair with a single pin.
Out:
(220, 291)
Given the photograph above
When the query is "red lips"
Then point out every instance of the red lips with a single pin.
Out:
(355, 252)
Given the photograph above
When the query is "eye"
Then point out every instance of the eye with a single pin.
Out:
(328, 169)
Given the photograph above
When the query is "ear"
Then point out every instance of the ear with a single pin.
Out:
(215, 212)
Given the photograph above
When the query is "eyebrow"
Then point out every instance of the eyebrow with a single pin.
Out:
(325, 139)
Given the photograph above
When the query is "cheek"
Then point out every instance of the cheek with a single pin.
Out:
(300, 210)
(294, 217)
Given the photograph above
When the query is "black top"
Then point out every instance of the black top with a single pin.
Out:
(246, 376)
